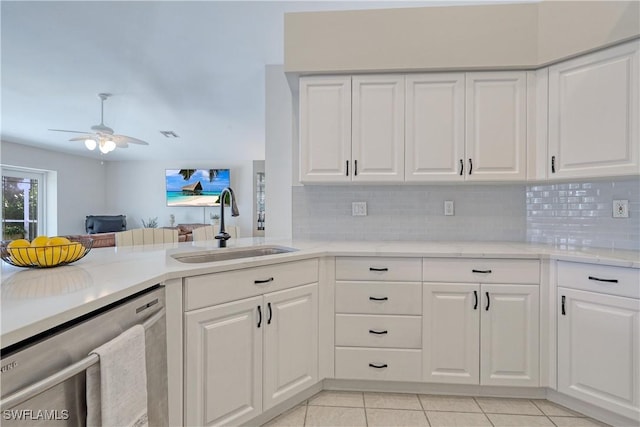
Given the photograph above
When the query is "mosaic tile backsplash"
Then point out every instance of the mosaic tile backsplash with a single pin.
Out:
(570, 215)
(576, 215)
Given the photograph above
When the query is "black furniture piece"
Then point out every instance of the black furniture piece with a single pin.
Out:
(105, 223)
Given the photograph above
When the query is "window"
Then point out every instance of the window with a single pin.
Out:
(22, 203)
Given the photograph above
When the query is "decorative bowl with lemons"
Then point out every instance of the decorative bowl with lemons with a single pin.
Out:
(43, 251)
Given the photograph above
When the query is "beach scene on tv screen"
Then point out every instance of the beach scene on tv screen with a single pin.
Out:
(195, 187)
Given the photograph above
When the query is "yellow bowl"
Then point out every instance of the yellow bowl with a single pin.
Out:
(45, 256)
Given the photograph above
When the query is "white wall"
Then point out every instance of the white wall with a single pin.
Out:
(137, 190)
(81, 183)
(279, 152)
(526, 35)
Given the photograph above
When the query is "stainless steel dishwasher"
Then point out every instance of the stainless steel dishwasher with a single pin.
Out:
(43, 378)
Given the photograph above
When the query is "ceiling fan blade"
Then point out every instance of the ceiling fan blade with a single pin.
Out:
(70, 131)
(85, 136)
(128, 139)
(121, 144)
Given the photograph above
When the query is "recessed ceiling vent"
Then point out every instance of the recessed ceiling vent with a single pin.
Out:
(169, 134)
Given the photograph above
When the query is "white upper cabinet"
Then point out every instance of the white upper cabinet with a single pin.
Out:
(325, 129)
(377, 142)
(593, 114)
(434, 127)
(496, 122)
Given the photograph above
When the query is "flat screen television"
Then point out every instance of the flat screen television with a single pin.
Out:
(195, 187)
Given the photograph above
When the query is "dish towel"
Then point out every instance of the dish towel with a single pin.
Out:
(117, 386)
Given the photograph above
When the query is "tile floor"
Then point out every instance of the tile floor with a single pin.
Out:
(353, 409)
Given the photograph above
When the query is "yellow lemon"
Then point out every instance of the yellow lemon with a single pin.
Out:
(39, 241)
(57, 241)
(32, 255)
(18, 243)
(75, 251)
(49, 257)
(18, 252)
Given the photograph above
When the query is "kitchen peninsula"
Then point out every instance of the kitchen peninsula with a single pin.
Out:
(322, 273)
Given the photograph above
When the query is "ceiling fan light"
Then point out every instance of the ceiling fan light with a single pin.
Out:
(90, 144)
(103, 147)
(109, 145)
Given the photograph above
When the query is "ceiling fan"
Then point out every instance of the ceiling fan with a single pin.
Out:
(103, 136)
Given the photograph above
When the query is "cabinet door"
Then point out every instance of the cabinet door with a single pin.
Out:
(434, 127)
(325, 129)
(378, 128)
(451, 327)
(509, 336)
(593, 114)
(599, 350)
(496, 128)
(291, 342)
(223, 364)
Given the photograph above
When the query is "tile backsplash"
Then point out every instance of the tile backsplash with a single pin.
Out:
(407, 212)
(579, 214)
(571, 215)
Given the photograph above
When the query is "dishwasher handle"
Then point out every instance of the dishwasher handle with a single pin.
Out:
(62, 375)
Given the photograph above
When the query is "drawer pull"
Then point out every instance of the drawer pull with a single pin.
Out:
(597, 279)
(379, 299)
(475, 297)
(258, 282)
(378, 269)
(373, 365)
(371, 331)
(481, 271)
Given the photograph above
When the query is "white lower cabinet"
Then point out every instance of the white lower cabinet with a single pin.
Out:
(246, 356)
(599, 350)
(481, 334)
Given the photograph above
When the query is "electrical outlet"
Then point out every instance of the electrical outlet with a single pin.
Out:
(359, 209)
(621, 209)
(448, 208)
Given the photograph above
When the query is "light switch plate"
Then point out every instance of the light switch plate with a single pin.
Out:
(359, 209)
(621, 209)
(448, 208)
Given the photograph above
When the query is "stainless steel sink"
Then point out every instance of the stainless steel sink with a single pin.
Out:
(227, 254)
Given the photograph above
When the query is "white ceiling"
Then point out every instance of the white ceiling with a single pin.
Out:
(196, 68)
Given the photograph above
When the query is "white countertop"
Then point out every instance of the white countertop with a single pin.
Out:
(34, 300)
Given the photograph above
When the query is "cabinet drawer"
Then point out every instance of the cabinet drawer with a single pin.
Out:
(379, 298)
(621, 281)
(359, 330)
(379, 268)
(392, 364)
(211, 289)
(509, 271)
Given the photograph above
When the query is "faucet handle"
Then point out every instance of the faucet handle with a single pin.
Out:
(223, 236)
